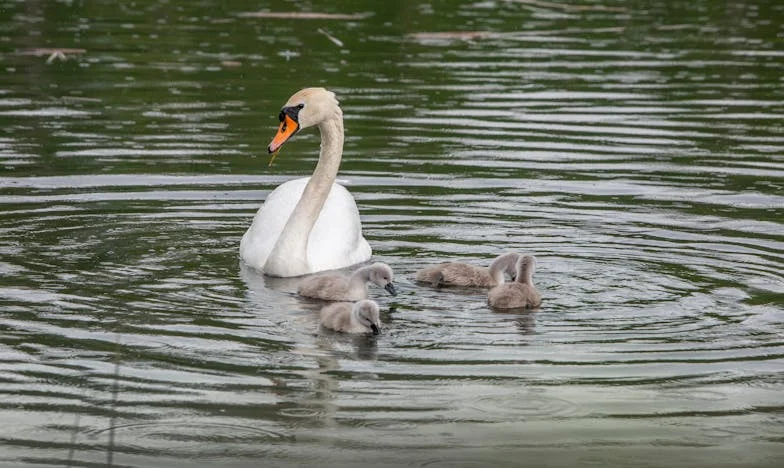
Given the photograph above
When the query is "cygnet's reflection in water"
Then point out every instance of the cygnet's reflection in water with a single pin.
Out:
(525, 319)
(362, 347)
(526, 323)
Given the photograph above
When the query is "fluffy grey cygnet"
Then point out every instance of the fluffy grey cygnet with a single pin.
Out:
(520, 293)
(466, 275)
(341, 287)
(358, 317)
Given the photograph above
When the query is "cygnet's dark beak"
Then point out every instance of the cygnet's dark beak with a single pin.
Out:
(374, 328)
(391, 289)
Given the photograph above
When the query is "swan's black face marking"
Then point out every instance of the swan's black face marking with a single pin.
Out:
(291, 111)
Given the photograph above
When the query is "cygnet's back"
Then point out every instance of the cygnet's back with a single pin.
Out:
(358, 317)
(341, 287)
(466, 275)
(518, 294)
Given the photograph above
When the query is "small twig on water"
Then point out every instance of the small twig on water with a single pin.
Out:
(303, 15)
(56, 55)
(52, 54)
(567, 7)
(332, 38)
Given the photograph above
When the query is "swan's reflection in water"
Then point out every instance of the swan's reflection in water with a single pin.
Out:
(266, 289)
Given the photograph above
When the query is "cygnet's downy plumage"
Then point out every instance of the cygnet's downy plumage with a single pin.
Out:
(520, 293)
(341, 287)
(466, 275)
(358, 317)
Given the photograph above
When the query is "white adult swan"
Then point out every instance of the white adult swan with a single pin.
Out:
(311, 224)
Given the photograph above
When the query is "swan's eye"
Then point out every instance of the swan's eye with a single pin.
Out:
(300, 106)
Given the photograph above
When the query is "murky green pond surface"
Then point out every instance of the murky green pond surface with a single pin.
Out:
(636, 148)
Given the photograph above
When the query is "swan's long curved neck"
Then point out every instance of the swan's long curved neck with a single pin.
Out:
(525, 274)
(496, 275)
(289, 256)
(506, 263)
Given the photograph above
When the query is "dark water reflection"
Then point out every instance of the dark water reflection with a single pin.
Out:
(634, 148)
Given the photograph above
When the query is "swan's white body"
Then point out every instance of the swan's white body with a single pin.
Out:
(311, 224)
(336, 238)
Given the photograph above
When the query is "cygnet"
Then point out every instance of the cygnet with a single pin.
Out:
(466, 275)
(341, 287)
(358, 317)
(520, 293)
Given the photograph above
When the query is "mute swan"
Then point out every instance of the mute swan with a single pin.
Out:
(359, 317)
(311, 224)
(520, 293)
(463, 274)
(340, 287)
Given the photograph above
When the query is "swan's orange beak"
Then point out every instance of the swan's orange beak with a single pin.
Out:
(288, 127)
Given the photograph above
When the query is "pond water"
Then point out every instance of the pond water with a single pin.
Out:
(636, 148)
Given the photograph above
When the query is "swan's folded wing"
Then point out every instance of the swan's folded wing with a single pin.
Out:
(263, 233)
(336, 240)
